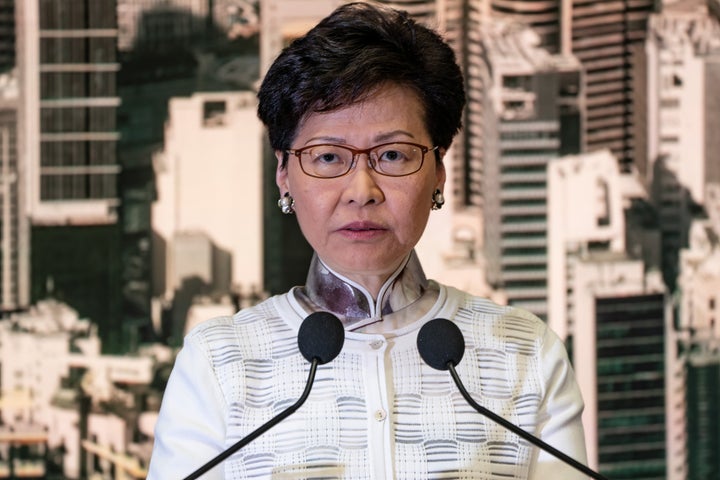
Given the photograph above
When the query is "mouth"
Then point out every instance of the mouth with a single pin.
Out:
(362, 227)
(363, 231)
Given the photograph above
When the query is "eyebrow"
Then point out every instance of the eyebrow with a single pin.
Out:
(383, 137)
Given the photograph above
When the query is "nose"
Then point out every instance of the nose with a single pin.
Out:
(362, 187)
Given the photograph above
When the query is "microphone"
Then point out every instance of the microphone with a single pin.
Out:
(441, 345)
(320, 339)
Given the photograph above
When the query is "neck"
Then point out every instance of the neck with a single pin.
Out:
(371, 284)
(353, 303)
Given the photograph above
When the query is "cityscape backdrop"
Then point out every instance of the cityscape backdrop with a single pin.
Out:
(137, 199)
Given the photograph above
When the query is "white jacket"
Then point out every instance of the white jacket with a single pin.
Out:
(376, 411)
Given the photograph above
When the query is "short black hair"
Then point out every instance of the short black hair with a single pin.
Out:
(349, 55)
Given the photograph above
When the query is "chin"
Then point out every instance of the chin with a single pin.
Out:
(364, 267)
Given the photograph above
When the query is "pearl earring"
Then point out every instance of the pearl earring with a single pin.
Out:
(438, 200)
(287, 204)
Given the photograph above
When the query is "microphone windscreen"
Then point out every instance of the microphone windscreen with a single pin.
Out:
(321, 336)
(440, 342)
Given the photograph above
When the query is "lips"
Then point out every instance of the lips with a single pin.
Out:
(362, 226)
(362, 230)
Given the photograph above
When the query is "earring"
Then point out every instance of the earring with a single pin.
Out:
(287, 204)
(438, 200)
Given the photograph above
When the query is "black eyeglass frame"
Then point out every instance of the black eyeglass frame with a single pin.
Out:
(359, 151)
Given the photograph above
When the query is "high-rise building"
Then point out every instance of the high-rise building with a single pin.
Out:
(585, 212)
(153, 42)
(608, 299)
(468, 164)
(534, 118)
(68, 103)
(68, 70)
(683, 116)
(695, 340)
(703, 416)
(621, 315)
(630, 380)
(209, 242)
(168, 49)
(607, 38)
(14, 248)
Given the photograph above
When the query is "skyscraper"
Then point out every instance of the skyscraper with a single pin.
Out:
(209, 243)
(67, 70)
(14, 249)
(607, 38)
(683, 116)
(168, 49)
(630, 372)
(585, 214)
(534, 118)
(695, 416)
(621, 315)
(607, 296)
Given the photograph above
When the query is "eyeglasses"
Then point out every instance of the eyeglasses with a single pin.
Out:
(395, 159)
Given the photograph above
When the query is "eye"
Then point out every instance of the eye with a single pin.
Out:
(326, 157)
(328, 154)
(393, 155)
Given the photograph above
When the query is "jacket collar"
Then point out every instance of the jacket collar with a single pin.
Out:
(330, 291)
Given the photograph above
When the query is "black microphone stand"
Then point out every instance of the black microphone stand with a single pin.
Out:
(262, 428)
(519, 431)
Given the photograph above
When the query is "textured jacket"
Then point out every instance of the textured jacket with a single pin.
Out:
(376, 411)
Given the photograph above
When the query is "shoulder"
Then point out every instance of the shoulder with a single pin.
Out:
(519, 347)
(246, 330)
(489, 324)
(231, 348)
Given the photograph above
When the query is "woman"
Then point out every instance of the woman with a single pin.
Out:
(360, 112)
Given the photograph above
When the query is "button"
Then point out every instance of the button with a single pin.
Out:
(380, 415)
(375, 344)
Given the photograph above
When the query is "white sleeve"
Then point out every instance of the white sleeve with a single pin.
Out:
(190, 429)
(560, 423)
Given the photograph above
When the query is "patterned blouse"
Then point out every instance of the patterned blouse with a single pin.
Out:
(377, 411)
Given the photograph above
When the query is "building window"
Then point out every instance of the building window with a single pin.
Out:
(214, 113)
(602, 203)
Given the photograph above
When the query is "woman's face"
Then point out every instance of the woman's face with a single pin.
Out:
(363, 224)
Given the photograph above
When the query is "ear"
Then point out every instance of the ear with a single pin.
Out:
(440, 173)
(281, 174)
